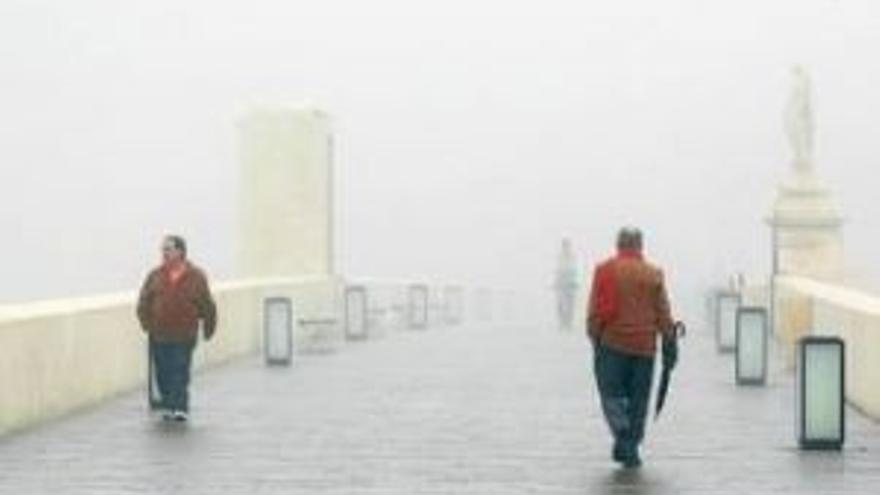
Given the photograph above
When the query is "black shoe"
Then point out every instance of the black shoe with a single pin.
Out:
(629, 458)
(631, 462)
(618, 453)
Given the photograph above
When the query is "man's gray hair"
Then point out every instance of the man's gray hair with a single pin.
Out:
(629, 238)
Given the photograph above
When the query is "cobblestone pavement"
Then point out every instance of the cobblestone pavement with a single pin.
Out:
(471, 410)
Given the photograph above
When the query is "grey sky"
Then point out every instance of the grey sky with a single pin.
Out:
(471, 135)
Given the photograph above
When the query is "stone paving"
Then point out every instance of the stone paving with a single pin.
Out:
(470, 410)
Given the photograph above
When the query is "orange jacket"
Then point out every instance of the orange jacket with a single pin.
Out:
(628, 305)
(170, 311)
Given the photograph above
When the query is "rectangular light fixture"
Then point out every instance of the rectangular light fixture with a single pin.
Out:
(751, 345)
(418, 306)
(711, 313)
(482, 305)
(278, 331)
(356, 316)
(726, 304)
(452, 300)
(821, 417)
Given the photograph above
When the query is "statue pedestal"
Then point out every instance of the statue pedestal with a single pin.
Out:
(807, 234)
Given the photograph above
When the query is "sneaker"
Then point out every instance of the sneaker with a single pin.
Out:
(180, 415)
(166, 414)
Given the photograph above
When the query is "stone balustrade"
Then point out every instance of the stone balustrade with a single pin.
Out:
(806, 306)
(63, 355)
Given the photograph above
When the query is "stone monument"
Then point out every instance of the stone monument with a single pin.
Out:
(805, 223)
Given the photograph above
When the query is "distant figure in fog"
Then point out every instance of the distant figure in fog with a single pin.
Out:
(628, 309)
(174, 298)
(566, 285)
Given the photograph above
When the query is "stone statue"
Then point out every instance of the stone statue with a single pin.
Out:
(566, 285)
(799, 124)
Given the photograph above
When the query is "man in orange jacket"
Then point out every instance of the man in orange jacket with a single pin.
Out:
(628, 309)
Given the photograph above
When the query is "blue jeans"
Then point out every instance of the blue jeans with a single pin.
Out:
(624, 382)
(172, 362)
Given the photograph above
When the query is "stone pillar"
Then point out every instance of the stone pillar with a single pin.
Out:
(286, 193)
(806, 226)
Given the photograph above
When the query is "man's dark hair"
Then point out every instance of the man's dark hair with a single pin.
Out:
(629, 238)
(178, 242)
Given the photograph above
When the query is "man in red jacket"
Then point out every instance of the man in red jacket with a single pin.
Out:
(174, 297)
(628, 309)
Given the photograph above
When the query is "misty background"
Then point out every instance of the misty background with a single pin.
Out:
(470, 136)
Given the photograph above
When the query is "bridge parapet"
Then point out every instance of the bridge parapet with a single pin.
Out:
(806, 306)
(62, 355)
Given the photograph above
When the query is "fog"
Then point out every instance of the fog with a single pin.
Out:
(471, 136)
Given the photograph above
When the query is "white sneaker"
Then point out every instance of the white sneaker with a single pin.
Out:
(180, 416)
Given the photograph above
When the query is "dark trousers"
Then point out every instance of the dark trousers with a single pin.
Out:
(624, 382)
(172, 361)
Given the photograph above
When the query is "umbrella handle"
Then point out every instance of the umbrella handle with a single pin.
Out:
(679, 329)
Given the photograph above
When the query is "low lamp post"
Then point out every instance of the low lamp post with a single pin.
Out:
(417, 307)
(726, 304)
(821, 417)
(278, 331)
(356, 316)
(751, 345)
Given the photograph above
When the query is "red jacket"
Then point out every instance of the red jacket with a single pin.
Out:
(170, 311)
(628, 305)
